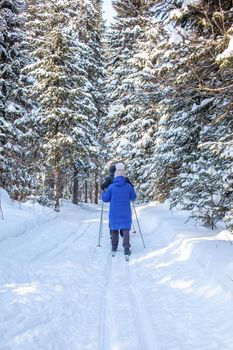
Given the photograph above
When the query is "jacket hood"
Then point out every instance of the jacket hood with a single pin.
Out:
(120, 181)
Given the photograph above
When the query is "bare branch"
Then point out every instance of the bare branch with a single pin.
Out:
(204, 88)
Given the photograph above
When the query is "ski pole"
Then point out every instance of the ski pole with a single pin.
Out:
(134, 231)
(139, 226)
(101, 221)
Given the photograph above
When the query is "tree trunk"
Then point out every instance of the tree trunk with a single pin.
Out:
(91, 192)
(96, 188)
(57, 180)
(75, 187)
(86, 192)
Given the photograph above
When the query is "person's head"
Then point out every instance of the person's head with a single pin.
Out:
(112, 169)
(120, 170)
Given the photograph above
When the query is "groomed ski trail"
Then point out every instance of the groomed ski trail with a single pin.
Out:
(104, 330)
(58, 290)
(132, 308)
(60, 247)
(141, 316)
(45, 267)
(124, 321)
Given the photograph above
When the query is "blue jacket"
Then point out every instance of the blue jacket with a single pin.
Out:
(119, 194)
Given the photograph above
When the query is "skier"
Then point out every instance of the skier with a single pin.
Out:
(107, 182)
(119, 194)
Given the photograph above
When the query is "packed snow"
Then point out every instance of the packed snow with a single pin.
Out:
(59, 290)
(203, 104)
(228, 53)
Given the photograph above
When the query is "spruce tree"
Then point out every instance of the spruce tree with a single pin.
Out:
(199, 82)
(14, 104)
(124, 108)
(62, 88)
(91, 29)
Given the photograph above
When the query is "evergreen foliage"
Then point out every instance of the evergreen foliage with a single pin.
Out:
(14, 105)
(67, 109)
(178, 135)
(169, 67)
(124, 115)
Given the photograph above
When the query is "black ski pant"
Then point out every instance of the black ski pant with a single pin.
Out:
(115, 239)
(121, 233)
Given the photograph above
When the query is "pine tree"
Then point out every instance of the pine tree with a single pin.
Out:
(150, 93)
(61, 87)
(124, 110)
(91, 30)
(14, 103)
(168, 105)
(196, 124)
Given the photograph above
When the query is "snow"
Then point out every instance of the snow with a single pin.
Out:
(4, 197)
(11, 108)
(187, 3)
(112, 110)
(203, 103)
(176, 14)
(228, 53)
(123, 144)
(175, 37)
(58, 290)
(25, 216)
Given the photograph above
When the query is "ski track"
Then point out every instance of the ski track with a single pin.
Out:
(103, 332)
(60, 247)
(141, 316)
(29, 319)
(121, 304)
(86, 299)
(28, 229)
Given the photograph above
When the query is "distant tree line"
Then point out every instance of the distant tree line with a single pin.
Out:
(153, 90)
(171, 102)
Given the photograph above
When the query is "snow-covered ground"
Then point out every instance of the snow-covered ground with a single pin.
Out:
(59, 291)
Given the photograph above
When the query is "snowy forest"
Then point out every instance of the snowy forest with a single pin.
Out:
(153, 90)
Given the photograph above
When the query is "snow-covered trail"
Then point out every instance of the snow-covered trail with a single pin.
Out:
(59, 291)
